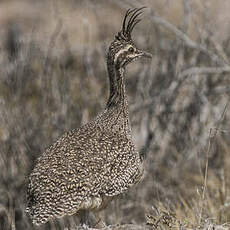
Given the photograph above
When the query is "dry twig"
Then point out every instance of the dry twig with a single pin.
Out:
(188, 41)
(211, 136)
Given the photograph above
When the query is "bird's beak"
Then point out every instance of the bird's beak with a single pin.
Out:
(146, 54)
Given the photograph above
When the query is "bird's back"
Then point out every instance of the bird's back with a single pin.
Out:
(81, 169)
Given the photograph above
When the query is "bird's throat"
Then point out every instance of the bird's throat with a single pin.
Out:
(117, 95)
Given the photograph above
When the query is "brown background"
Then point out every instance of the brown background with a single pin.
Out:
(53, 78)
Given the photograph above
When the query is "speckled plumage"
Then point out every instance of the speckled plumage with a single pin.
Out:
(88, 166)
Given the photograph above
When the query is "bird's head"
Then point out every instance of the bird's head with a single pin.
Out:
(122, 50)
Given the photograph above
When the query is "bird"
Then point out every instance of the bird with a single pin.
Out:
(88, 166)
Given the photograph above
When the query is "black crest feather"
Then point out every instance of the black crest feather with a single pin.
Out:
(130, 20)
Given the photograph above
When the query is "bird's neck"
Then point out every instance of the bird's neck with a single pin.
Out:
(117, 95)
(117, 105)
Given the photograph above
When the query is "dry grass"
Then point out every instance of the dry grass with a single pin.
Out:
(52, 78)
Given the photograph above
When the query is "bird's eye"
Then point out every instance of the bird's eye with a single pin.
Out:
(131, 50)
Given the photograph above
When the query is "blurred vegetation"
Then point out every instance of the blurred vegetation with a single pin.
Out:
(53, 78)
